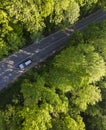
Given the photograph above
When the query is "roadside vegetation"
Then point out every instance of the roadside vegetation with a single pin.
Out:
(22, 22)
(66, 93)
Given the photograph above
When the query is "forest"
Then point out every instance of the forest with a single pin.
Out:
(67, 91)
(25, 21)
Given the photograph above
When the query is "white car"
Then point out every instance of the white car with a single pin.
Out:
(25, 64)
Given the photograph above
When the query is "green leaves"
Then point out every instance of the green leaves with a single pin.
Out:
(37, 93)
(55, 96)
(82, 60)
(65, 11)
(36, 118)
(86, 95)
(65, 90)
(32, 17)
(65, 122)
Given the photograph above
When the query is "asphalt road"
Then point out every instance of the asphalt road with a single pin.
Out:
(9, 67)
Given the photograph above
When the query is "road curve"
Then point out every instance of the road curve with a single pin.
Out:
(9, 67)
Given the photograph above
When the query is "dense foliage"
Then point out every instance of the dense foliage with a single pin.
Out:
(64, 93)
(21, 21)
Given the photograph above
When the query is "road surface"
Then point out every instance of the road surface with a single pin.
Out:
(9, 67)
